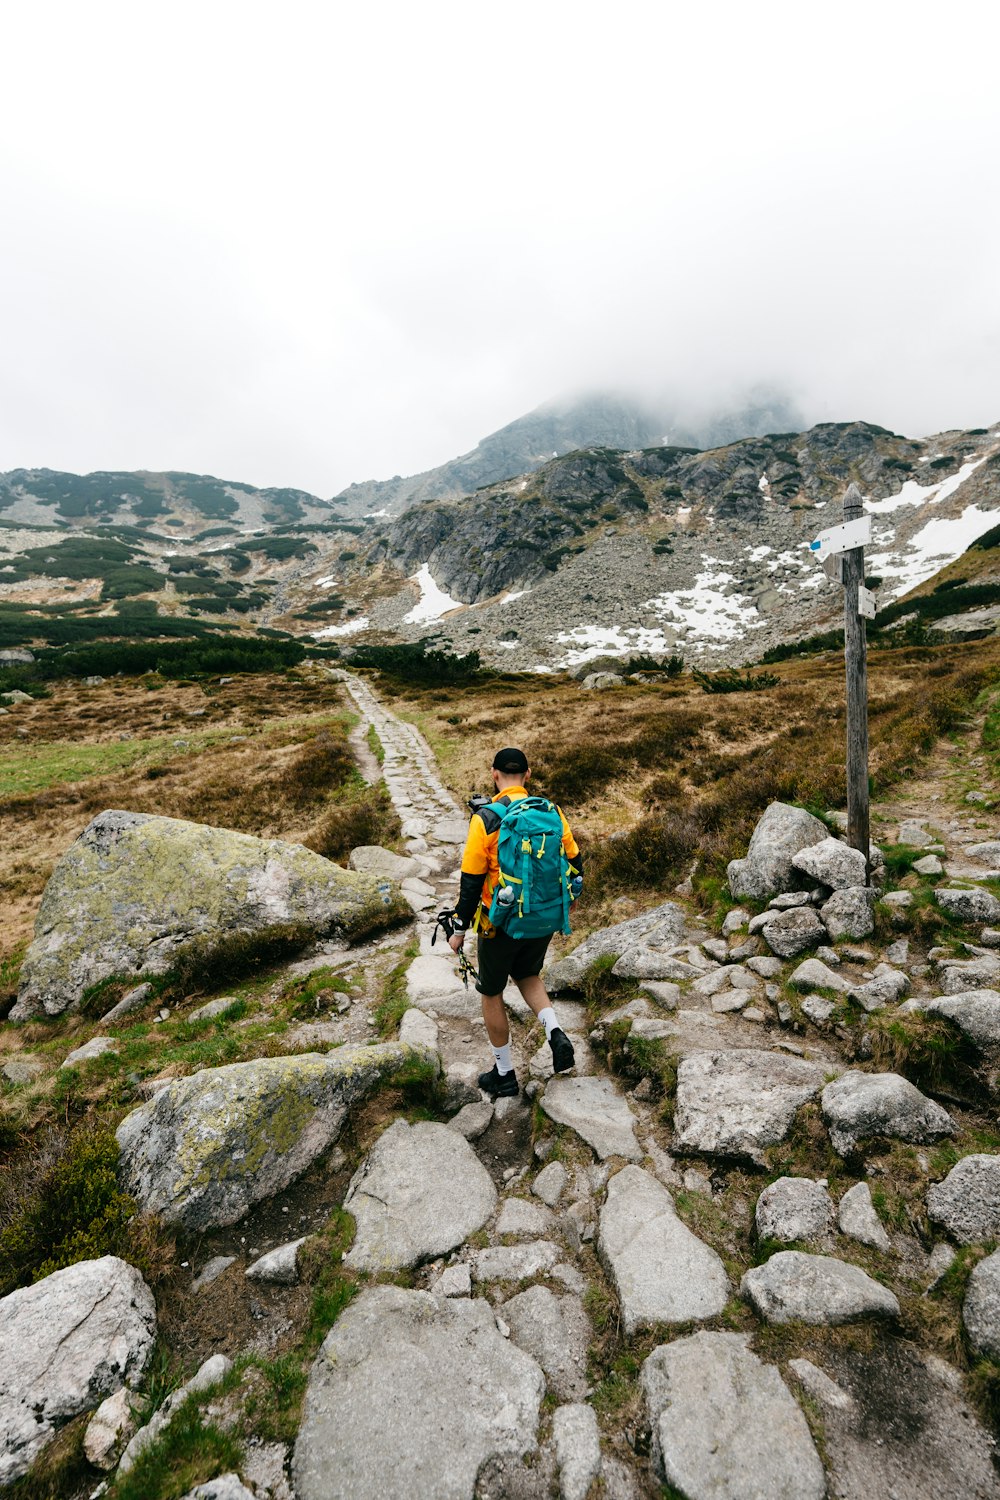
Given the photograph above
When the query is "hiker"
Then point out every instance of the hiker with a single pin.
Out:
(524, 848)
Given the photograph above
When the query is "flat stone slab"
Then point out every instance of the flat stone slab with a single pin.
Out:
(724, 1424)
(372, 859)
(967, 1203)
(66, 1343)
(556, 1331)
(661, 1271)
(432, 983)
(793, 1287)
(734, 1104)
(420, 1192)
(468, 1395)
(515, 1262)
(860, 1106)
(662, 927)
(598, 1114)
(527, 1220)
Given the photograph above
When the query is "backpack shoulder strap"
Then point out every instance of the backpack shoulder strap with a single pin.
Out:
(492, 816)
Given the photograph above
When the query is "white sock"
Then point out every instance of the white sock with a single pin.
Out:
(548, 1020)
(505, 1063)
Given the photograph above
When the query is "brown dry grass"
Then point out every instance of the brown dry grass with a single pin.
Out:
(652, 775)
(268, 756)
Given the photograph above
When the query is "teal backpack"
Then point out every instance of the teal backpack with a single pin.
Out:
(532, 898)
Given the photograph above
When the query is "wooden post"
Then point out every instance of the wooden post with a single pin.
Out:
(856, 655)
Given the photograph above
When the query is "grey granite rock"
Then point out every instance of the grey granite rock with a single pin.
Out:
(108, 1430)
(832, 863)
(468, 1394)
(967, 1203)
(780, 834)
(790, 932)
(279, 1266)
(550, 1183)
(885, 989)
(556, 1332)
(419, 1193)
(734, 1104)
(793, 1287)
(972, 905)
(66, 1343)
(849, 913)
(724, 1424)
(813, 974)
(137, 895)
(653, 931)
(213, 1370)
(523, 1219)
(578, 1449)
(981, 1312)
(207, 1147)
(515, 1262)
(857, 1218)
(794, 1208)
(661, 1271)
(861, 1106)
(592, 1108)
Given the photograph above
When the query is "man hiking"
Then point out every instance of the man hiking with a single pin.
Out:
(521, 870)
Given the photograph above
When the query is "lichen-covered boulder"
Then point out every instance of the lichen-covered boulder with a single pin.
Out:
(65, 1344)
(208, 1147)
(138, 895)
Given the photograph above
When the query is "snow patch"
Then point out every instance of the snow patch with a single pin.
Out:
(333, 632)
(514, 594)
(326, 583)
(712, 616)
(913, 493)
(433, 602)
(373, 515)
(589, 641)
(757, 554)
(938, 543)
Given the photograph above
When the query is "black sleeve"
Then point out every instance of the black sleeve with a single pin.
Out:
(576, 862)
(469, 897)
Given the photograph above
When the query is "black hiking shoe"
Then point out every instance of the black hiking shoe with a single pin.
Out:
(563, 1056)
(498, 1085)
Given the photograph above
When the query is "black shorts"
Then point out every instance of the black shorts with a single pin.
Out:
(502, 958)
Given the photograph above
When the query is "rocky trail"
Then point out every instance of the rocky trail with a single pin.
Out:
(713, 1257)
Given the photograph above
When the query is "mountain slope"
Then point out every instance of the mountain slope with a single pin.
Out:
(599, 420)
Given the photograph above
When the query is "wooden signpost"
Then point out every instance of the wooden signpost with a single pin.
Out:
(842, 552)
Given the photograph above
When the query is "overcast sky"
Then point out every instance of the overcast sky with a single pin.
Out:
(307, 244)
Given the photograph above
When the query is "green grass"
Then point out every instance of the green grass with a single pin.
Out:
(33, 768)
(375, 744)
(394, 1002)
(190, 1451)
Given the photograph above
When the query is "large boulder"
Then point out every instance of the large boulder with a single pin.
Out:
(138, 895)
(662, 1272)
(862, 1106)
(782, 832)
(734, 1104)
(208, 1147)
(65, 1344)
(409, 1397)
(419, 1192)
(646, 935)
(793, 1287)
(724, 1424)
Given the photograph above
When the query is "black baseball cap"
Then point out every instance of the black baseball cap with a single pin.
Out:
(512, 762)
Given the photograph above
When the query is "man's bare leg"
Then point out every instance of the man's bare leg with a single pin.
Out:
(497, 1027)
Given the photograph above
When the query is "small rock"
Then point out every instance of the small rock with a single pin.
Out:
(212, 1270)
(472, 1119)
(519, 1217)
(898, 898)
(789, 899)
(972, 906)
(716, 948)
(108, 1430)
(793, 1208)
(850, 913)
(939, 1262)
(662, 993)
(766, 968)
(133, 1000)
(515, 1262)
(578, 1449)
(23, 1069)
(556, 1331)
(753, 1013)
(280, 1266)
(819, 1385)
(734, 921)
(833, 864)
(96, 1047)
(811, 974)
(929, 865)
(454, 1281)
(912, 833)
(550, 1183)
(981, 1312)
(795, 1287)
(225, 1487)
(818, 1009)
(976, 797)
(781, 833)
(898, 952)
(885, 989)
(210, 1373)
(828, 956)
(792, 932)
(210, 1010)
(857, 1218)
